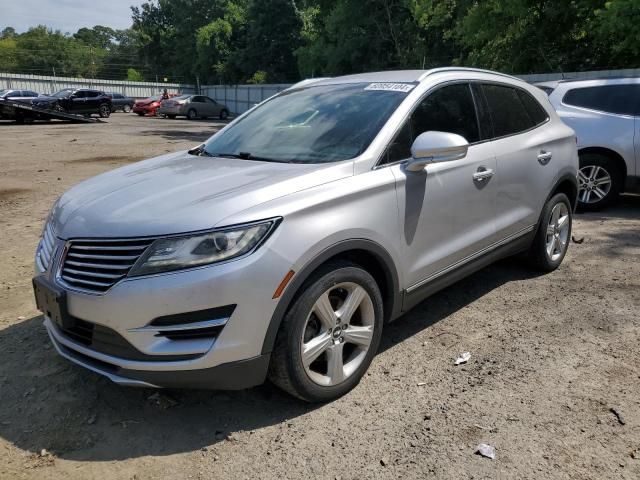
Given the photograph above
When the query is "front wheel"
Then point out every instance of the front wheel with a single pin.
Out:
(104, 110)
(223, 114)
(330, 334)
(554, 232)
(192, 114)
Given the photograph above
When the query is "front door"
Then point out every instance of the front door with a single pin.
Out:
(447, 210)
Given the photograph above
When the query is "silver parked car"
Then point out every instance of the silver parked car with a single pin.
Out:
(280, 247)
(605, 114)
(192, 107)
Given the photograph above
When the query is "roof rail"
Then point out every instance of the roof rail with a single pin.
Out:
(308, 81)
(464, 69)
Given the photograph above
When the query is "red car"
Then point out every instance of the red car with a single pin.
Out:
(149, 106)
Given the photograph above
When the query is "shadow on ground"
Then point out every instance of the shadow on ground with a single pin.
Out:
(50, 403)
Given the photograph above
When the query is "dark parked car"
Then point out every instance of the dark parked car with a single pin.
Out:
(121, 102)
(18, 95)
(76, 100)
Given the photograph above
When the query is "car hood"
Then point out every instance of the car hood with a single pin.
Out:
(179, 193)
(144, 102)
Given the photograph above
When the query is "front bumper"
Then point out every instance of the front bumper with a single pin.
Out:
(229, 376)
(146, 109)
(233, 358)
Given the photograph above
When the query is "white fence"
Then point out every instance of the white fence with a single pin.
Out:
(240, 98)
(44, 84)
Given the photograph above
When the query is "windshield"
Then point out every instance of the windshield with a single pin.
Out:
(4, 92)
(181, 97)
(155, 98)
(326, 123)
(63, 93)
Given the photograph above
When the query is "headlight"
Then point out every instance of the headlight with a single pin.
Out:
(176, 253)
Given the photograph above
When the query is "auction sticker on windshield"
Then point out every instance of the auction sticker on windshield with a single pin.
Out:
(390, 87)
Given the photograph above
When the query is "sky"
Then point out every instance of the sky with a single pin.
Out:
(66, 15)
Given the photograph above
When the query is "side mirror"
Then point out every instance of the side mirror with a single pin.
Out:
(432, 147)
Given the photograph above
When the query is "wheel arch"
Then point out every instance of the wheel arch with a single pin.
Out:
(567, 184)
(611, 154)
(366, 253)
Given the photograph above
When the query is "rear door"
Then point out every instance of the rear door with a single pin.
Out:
(525, 150)
(212, 107)
(447, 211)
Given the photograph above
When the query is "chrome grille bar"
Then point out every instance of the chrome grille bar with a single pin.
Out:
(97, 265)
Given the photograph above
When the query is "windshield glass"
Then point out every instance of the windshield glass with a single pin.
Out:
(181, 97)
(154, 98)
(326, 123)
(4, 92)
(63, 93)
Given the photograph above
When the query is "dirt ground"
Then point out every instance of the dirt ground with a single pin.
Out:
(553, 382)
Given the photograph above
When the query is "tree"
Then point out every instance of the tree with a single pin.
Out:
(134, 75)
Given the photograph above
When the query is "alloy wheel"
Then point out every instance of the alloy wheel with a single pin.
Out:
(595, 184)
(557, 232)
(337, 334)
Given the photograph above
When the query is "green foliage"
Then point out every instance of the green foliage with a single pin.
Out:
(228, 41)
(259, 77)
(134, 75)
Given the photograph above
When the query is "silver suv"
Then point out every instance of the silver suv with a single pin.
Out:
(280, 247)
(605, 115)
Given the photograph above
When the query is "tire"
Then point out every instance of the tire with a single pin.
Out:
(192, 114)
(104, 110)
(543, 255)
(315, 380)
(600, 182)
(172, 117)
(140, 113)
(224, 114)
(126, 108)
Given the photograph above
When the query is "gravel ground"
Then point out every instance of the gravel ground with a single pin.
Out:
(553, 382)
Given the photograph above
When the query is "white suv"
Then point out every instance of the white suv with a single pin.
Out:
(605, 115)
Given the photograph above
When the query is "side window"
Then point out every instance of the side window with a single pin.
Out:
(508, 112)
(92, 94)
(448, 109)
(210, 100)
(80, 94)
(30, 93)
(198, 99)
(400, 147)
(620, 99)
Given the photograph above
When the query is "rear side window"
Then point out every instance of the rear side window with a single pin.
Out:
(620, 99)
(511, 111)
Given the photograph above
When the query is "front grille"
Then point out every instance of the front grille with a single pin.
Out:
(45, 249)
(97, 265)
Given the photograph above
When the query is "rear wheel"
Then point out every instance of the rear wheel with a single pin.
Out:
(554, 232)
(330, 334)
(104, 110)
(600, 182)
(171, 116)
(224, 114)
(192, 114)
(140, 113)
(126, 108)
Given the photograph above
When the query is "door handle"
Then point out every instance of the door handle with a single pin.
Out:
(483, 174)
(544, 157)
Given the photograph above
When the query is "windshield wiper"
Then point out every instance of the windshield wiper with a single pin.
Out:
(199, 151)
(247, 156)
